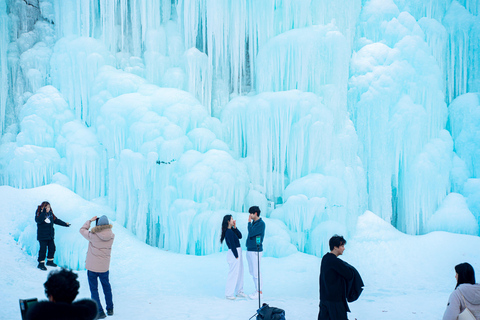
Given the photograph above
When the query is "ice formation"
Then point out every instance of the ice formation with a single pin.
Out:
(454, 216)
(178, 112)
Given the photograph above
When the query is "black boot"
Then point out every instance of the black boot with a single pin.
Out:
(41, 266)
(101, 315)
(50, 263)
(110, 312)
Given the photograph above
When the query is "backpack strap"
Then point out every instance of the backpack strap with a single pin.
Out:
(466, 308)
(464, 302)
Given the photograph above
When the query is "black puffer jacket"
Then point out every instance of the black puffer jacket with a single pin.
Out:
(81, 310)
(45, 230)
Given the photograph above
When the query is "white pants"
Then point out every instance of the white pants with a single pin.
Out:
(235, 273)
(253, 267)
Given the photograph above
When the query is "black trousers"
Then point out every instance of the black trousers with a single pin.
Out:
(44, 244)
(332, 311)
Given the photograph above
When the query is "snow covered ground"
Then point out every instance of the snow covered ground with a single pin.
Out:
(406, 277)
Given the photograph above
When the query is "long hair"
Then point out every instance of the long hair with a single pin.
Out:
(43, 206)
(466, 274)
(225, 226)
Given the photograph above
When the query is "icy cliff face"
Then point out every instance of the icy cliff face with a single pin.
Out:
(178, 112)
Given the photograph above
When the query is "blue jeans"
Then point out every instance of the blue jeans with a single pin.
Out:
(107, 289)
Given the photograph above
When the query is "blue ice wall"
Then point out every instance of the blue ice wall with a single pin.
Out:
(176, 113)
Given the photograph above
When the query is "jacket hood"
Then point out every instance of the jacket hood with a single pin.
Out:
(471, 292)
(104, 232)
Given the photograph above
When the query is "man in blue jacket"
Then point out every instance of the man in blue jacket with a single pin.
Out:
(256, 228)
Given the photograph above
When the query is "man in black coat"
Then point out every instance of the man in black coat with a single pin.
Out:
(334, 276)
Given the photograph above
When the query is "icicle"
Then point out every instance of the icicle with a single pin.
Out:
(288, 135)
(313, 59)
(108, 26)
(436, 37)
(373, 14)
(473, 63)
(74, 65)
(464, 121)
(473, 6)
(458, 22)
(85, 159)
(31, 167)
(431, 9)
(410, 116)
(344, 14)
(5, 86)
(199, 77)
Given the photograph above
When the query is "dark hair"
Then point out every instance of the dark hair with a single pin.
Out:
(465, 272)
(62, 285)
(42, 206)
(225, 226)
(336, 241)
(254, 209)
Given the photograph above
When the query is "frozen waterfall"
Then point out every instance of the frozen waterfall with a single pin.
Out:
(178, 112)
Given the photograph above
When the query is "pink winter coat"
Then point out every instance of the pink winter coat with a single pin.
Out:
(99, 247)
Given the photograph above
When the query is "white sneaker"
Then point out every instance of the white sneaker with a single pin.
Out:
(230, 297)
(255, 295)
(241, 294)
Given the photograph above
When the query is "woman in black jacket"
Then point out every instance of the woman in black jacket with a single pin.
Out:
(231, 235)
(45, 219)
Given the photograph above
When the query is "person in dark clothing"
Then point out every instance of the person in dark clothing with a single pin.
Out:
(61, 288)
(45, 220)
(354, 285)
(231, 235)
(334, 275)
(256, 228)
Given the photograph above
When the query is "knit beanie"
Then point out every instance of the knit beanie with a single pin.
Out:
(103, 220)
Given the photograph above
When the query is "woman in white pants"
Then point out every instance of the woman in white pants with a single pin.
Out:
(231, 235)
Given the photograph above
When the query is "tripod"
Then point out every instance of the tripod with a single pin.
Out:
(258, 240)
(258, 270)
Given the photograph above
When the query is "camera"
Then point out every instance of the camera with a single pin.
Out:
(25, 304)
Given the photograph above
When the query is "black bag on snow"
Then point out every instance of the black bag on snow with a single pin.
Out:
(270, 313)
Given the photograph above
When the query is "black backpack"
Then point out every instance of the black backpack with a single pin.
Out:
(270, 313)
